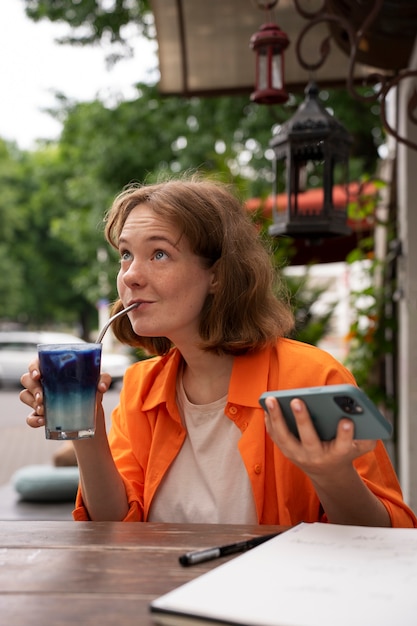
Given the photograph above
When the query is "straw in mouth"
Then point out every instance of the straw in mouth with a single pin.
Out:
(111, 320)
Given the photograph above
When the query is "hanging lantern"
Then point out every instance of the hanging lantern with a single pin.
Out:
(315, 149)
(269, 42)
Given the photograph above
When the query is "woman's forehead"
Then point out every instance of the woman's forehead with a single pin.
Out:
(143, 215)
(143, 220)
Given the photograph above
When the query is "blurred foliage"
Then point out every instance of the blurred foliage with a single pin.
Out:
(372, 333)
(55, 265)
(54, 198)
(94, 21)
(312, 323)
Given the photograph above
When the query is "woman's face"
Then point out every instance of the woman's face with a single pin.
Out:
(159, 271)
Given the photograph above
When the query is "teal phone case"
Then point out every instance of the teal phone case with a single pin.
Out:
(328, 404)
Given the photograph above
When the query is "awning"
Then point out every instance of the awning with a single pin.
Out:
(203, 47)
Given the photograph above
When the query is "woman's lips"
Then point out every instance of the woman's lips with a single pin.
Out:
(141, 304)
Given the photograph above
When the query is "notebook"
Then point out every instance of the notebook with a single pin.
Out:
(312, 575)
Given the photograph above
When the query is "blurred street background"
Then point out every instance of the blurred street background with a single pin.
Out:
(21, 445)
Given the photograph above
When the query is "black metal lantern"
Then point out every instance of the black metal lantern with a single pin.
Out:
(269, 42)
(315, 148)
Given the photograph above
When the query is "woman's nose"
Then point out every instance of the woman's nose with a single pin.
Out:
(134, 275)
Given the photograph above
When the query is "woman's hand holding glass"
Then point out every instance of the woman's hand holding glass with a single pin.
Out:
(32, 395)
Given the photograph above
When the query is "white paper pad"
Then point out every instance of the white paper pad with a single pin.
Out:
(312, 575)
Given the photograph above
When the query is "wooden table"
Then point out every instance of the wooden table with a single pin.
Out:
(99, 573)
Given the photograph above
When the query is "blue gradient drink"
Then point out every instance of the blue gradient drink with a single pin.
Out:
(69, 376)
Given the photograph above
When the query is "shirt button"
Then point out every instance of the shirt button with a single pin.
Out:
(244, 425)
(258, 468)
(233, 410)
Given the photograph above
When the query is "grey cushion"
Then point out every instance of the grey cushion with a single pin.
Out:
(46, 483)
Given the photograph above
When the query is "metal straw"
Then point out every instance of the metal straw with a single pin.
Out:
(111, 320)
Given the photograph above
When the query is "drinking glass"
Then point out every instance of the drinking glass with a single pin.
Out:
(69, 376)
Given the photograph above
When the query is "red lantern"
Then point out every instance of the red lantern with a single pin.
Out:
(269, 43)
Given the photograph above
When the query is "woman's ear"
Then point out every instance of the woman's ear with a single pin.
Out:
(213, 283)
(213, 279)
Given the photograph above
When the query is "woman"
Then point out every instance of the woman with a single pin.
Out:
(189, 441)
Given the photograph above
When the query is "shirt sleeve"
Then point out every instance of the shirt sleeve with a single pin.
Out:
(377, 472)
(120, 440)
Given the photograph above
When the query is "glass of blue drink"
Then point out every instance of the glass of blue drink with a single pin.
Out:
(69, 376)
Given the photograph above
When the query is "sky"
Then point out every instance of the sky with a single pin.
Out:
(33, 67)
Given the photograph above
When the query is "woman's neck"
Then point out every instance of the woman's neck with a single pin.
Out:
(206, 376)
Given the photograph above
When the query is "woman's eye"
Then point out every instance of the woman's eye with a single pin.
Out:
(159, 254)
(125, 255)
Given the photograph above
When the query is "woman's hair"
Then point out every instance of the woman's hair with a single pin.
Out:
(243, 313)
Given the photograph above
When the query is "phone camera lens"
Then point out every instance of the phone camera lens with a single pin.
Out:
(348, 405)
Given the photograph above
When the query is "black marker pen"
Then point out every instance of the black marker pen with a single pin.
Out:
(208, 554)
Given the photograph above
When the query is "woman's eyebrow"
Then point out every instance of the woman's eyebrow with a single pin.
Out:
(151, 239)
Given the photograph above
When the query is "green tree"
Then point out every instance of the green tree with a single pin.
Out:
(62, 190)
(11, 275)
(95, 21)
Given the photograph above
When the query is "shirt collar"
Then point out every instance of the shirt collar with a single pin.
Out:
(248, 381)
(249, 378)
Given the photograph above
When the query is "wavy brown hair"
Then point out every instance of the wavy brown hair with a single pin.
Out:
(243, 313)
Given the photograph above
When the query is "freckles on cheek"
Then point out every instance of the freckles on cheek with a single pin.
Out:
(181, 302)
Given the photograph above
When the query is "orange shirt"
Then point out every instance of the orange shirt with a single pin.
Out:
(147, 434)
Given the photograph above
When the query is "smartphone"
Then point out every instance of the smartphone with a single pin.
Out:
(328, 404)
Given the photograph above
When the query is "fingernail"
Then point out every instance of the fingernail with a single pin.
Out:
(296, 405)
(269, 403)
(34, 373)
(40, 420)
(37, 395)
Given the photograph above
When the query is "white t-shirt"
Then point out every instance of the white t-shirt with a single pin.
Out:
(207, 482)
